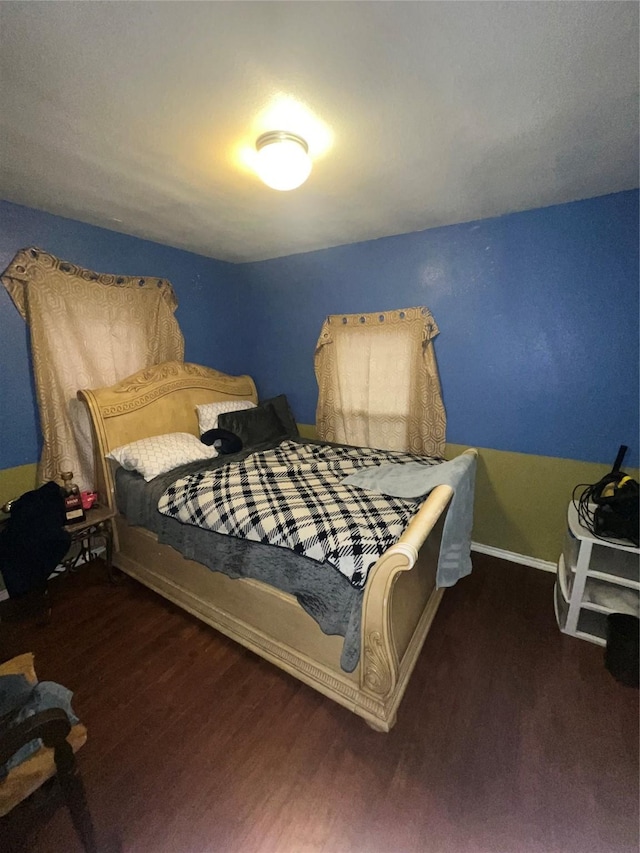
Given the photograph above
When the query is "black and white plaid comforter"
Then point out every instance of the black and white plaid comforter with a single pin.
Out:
(293, 497)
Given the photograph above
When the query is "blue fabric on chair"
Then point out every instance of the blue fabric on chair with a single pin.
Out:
(19, 699)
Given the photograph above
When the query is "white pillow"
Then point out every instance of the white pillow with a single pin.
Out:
(160, 453)
(209, 412)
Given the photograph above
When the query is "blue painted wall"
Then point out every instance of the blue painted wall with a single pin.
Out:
(207, 291)
(538, 317)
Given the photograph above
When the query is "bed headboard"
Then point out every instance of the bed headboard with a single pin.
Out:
(157, 400)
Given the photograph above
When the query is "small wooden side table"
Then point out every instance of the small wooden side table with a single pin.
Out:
(98, 524)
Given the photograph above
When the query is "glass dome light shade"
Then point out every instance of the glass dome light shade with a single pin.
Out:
(283, 161)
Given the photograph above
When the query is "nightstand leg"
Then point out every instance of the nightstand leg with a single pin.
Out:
(108, 539)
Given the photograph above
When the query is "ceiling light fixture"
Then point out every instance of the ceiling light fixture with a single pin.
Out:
(283, 161)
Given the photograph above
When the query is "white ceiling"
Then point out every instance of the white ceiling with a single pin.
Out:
(417, 114)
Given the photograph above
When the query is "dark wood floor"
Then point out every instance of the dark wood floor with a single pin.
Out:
(511, 738)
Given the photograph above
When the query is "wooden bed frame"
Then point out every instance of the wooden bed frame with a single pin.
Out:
(400, 598)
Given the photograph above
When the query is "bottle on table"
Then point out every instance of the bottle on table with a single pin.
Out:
(73, 509)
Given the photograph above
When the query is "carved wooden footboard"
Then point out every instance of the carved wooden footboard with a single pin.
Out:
(400, 599)
(398, 608)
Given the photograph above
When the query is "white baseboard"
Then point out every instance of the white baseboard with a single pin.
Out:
(522, 559)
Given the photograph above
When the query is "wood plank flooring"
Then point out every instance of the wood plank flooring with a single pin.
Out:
(511, 738)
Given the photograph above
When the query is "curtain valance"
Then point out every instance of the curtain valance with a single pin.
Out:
(35, 265)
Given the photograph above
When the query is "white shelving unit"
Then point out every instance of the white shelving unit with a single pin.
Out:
(595, 577)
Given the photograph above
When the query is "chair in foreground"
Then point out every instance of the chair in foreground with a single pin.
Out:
(56, 757)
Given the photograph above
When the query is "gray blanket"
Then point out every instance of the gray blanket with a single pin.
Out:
(410, 480)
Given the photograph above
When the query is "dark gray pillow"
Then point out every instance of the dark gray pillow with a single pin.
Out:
(254, 426)
(283, 411)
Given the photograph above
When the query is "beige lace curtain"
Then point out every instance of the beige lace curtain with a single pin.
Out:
(87, 330)
(378, 381)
